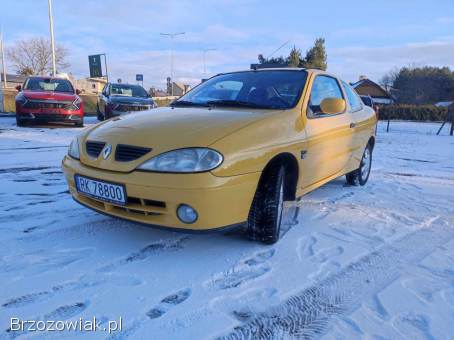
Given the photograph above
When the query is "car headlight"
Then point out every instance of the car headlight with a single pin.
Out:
(76, 103)
(184, 161)
(73, 150)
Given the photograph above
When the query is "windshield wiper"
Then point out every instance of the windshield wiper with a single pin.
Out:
(187, 103)
(238, 103)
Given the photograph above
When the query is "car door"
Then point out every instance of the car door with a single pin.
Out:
(360, 125)
(329, 137)
(103, 98)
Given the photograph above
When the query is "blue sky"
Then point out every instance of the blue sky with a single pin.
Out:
(361, 39)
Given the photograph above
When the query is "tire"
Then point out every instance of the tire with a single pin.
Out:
(99, 114)
(265, 216)
(19, 122)
(80, 124)
(361, 175)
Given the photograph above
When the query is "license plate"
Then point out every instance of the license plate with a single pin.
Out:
(101, 190)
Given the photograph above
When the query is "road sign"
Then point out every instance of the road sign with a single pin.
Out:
(139, 77)
(94, 61)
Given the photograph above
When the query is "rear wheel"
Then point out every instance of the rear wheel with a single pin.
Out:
(265, 216)
(361, 175)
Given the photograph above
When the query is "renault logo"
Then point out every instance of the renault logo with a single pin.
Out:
(107, 151)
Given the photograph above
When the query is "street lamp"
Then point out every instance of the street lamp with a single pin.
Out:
(52, 42)
(205, 50)
(171, 36)
(2, 51)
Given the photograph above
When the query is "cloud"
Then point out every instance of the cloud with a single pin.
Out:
(350, 62)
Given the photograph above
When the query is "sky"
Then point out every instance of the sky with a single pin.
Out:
(362, 37)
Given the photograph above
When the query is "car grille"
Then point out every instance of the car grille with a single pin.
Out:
(94, 148)
(128, 107)
(127, 153)
(33, 104)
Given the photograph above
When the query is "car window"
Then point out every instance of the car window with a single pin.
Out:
(259, 89)
(48, 84)
(353, 98)
(322, 88)
(127, 90)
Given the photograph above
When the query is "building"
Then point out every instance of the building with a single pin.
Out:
(366, 87)
(12, 80)
(176, 88)
(89, 85)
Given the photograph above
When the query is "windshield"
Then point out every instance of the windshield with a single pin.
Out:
(128, 90)
(256, 89)
(48, 84)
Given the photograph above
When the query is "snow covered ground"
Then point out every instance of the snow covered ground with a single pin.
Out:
(373, 262)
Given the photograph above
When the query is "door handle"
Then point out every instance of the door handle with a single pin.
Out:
(352, 125)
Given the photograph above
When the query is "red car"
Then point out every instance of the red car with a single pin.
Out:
(46, 99)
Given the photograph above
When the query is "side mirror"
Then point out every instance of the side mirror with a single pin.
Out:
(78, 91)
(19, 88)
(331, 106)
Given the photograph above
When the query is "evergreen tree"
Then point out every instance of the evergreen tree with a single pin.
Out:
(316, 56)
(294, 59)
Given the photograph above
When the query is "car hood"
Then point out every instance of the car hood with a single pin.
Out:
(164, 129)
(130, 100)
(48, 95)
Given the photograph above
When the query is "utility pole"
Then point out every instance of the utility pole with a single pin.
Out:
(52, 42)
(171, 36)
(205, 50)
(2, 51)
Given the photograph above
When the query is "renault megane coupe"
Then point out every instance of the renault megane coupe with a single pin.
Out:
(227, 153)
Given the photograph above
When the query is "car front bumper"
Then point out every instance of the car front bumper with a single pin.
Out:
(153, 198)
(51, 117)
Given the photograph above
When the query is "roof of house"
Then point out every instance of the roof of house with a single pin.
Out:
(14, 78)
(369, 87)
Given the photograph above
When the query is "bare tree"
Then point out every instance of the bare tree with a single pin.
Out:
(388, 79)
(34, 56)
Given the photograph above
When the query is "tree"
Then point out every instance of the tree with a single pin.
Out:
(294, 59)
(34, 56)
(278, 60)
(424, 85)
(316, 56)
(388, 79)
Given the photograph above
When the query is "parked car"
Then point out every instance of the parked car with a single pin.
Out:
(227, 153)
(367, 100)
(120, 99)
(47, 99)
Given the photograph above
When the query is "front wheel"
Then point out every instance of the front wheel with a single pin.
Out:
(361, 175)
(99, 114)
(19, 122)
(80, 123)
(265, 216)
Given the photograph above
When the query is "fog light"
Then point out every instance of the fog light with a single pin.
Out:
(186, 214)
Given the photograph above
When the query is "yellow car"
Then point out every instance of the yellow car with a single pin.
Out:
(229, 152)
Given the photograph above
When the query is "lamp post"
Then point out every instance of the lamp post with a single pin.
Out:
(171, 36)
(52, 42)
(205, 50)
(2, 51)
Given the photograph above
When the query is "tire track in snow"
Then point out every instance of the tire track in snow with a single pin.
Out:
(307, 314)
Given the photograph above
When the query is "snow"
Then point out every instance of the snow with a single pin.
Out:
(373, 262)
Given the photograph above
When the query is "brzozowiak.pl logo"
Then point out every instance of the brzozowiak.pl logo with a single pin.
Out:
(79, 325)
